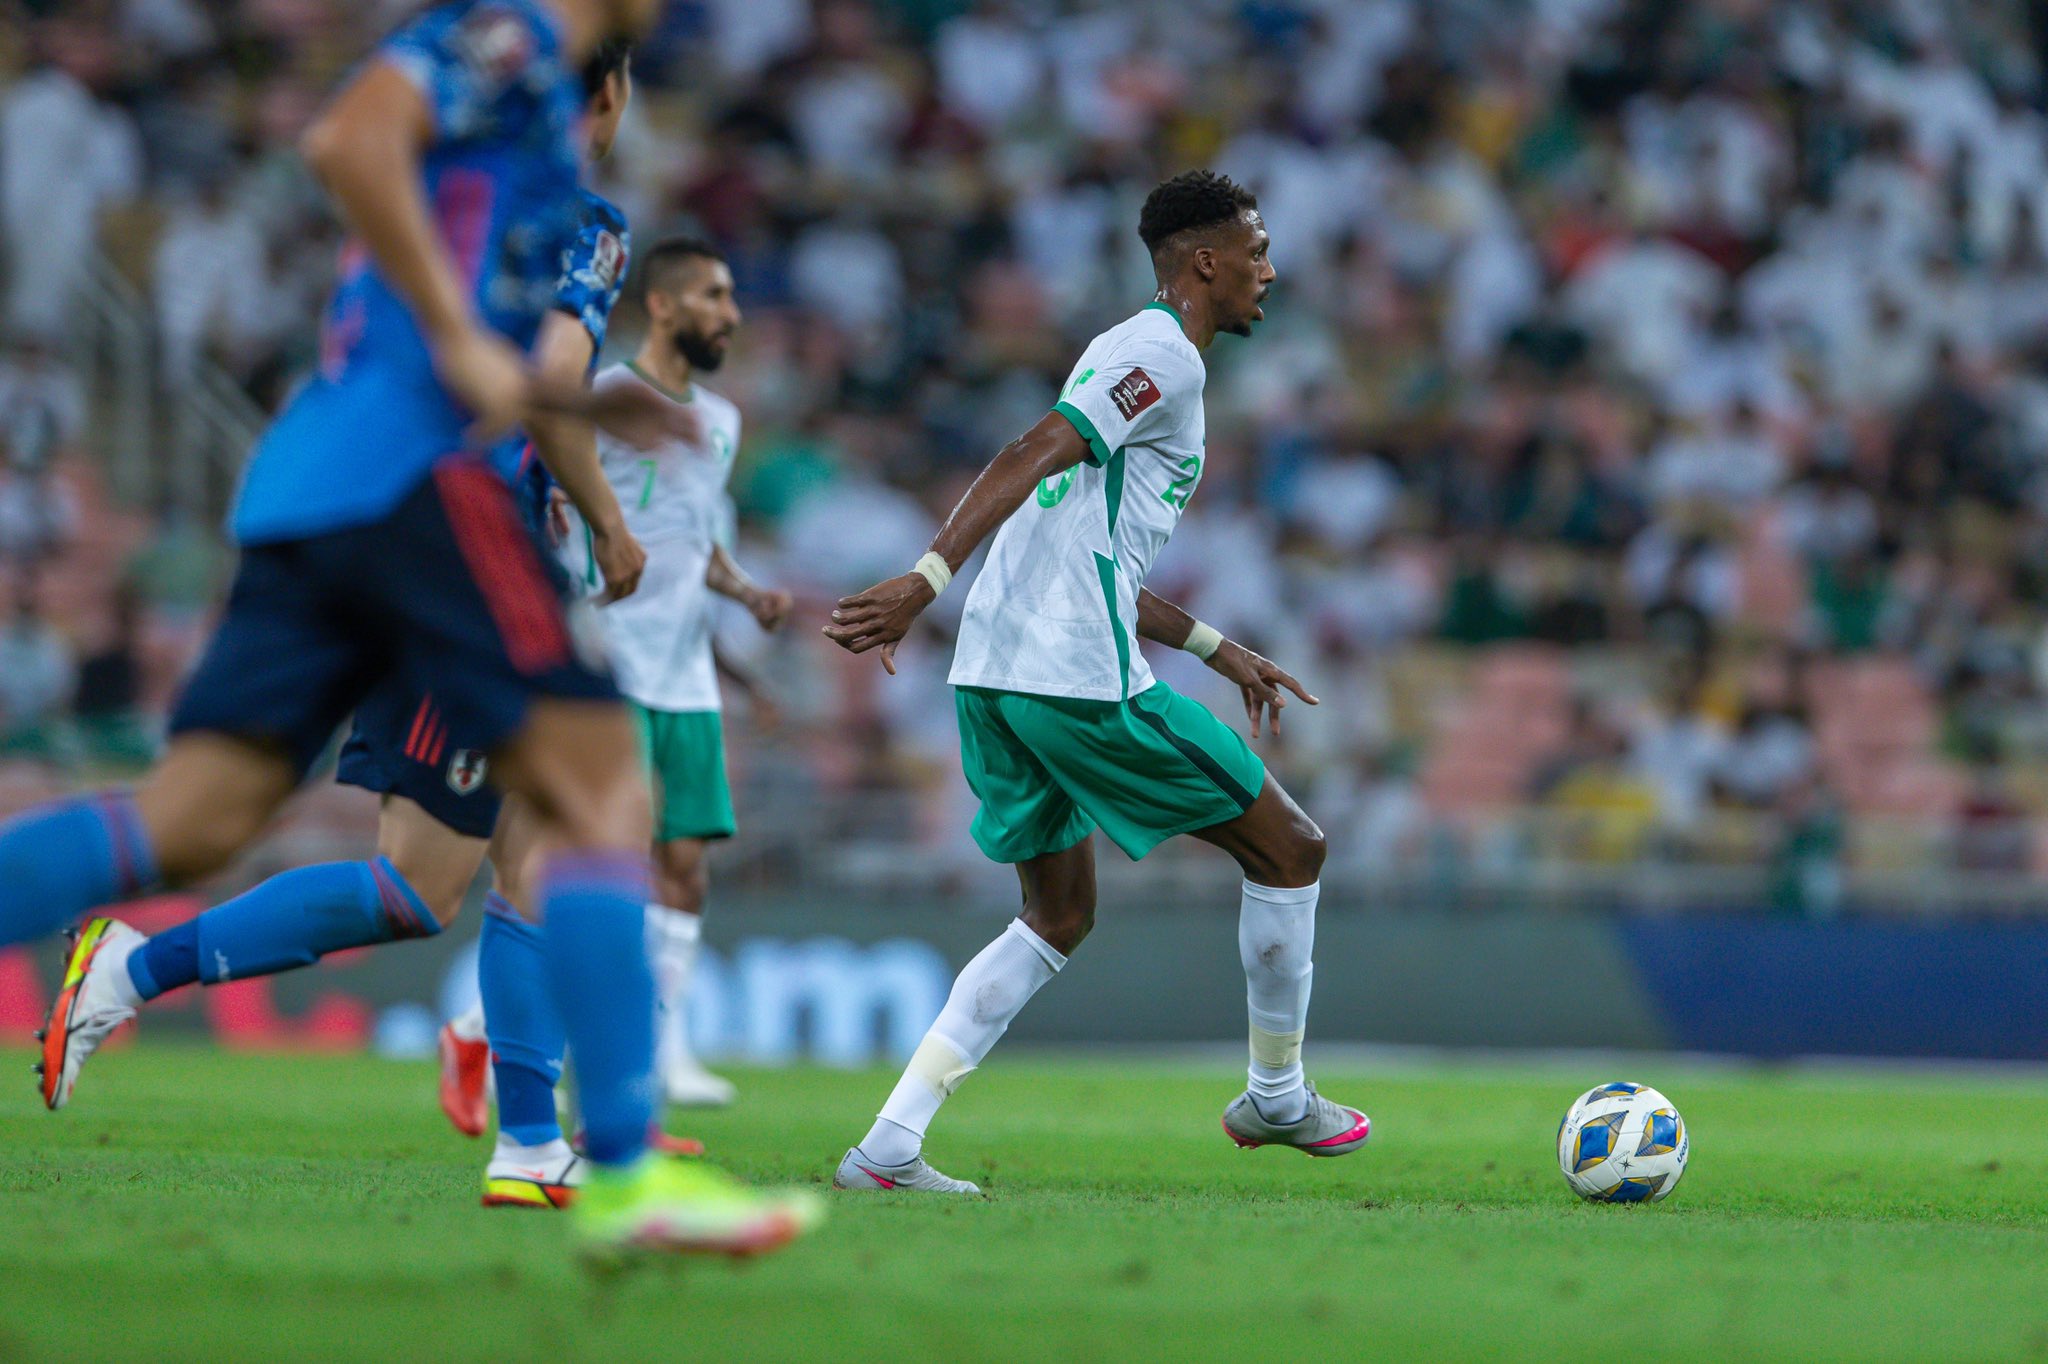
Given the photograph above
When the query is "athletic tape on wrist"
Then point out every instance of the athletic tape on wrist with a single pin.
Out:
(1203, 640)
(935, 570)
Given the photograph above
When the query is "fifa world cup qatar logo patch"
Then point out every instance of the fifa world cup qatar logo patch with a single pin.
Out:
(1134, 393)
(466, 771)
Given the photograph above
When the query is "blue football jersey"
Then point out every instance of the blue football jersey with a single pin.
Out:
(593, 274)
(501, 181)
(594, 267)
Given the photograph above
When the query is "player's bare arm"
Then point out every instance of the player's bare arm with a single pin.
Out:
(723, 575)
(568, 447)
(881, 616)
(365, 149)
(1259, 679)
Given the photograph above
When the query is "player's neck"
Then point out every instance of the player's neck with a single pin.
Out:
(1189, 311)
(665, 368)
(580, 24)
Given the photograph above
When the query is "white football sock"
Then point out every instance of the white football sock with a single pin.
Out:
(520, 1154)
(470, 1026)
(672, 940)
(1276, 938)
(989, 992)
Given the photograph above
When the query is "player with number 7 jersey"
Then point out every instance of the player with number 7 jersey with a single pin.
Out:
(659, 641)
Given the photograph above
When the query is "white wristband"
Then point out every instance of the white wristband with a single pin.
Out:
(1203, 640)
(935, 570)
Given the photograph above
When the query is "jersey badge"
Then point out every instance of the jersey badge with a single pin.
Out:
(607, 259)
(1134, 393)
(466, 771)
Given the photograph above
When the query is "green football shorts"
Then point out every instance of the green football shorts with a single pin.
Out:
(685, 756)
(1049, 769)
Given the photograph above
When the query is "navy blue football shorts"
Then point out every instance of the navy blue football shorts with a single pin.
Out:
(453, 596)
(402, 745)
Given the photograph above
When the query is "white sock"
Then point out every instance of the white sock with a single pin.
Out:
(470, 1026)
(520, 1154)
(1276, 938)
(989, 992)
(672, 940)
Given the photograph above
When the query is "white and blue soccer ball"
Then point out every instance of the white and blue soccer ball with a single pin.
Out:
(1622, 1143)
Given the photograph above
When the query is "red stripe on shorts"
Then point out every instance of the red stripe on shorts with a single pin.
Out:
(437, 740)
(503, 564)
(419, 722)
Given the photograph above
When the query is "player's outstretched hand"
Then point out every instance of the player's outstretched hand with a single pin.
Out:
(635, 413)
(1261, 680)
(880, 616)
(488, 376)
(770, 607)
(621, 559)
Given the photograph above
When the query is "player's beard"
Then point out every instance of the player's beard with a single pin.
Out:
(703, 353)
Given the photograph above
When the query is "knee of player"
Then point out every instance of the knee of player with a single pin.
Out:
(683, 874)
(1063, 925)
(1311, 850)
(444, 905)
(617, 814)
(1293, 859)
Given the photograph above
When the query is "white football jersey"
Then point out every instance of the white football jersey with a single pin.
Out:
(674, 499)
(1055, 609)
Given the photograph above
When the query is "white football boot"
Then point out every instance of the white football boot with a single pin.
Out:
(689, 1085)
(532, 1176)
(857, 1172)
(1326, 1129)
(96, 998)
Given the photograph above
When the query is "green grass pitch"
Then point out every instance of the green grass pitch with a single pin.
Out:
(195, 1205)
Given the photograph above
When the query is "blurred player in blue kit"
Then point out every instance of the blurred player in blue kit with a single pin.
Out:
(438, 810)
(381, 548)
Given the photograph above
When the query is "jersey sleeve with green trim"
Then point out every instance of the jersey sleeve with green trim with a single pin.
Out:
(1137, 394)
(1054, 609)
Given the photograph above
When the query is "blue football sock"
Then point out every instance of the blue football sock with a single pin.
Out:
(594, 908)
(520, 1019)
(289, 921)
(61, 860)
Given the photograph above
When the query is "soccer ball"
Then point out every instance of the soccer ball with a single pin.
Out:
(1622, 1143)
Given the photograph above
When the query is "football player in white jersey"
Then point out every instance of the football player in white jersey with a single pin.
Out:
(659, 640)
(1063, 728)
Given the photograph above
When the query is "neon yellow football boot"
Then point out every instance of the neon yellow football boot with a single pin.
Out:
(687, 1206)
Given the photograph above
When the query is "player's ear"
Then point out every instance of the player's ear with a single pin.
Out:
(1205, 261)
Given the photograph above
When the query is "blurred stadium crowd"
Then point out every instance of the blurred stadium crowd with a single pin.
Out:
(1646, 457)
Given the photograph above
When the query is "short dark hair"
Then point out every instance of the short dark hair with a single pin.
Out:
(1190, 202)
(613, 55)
(659, 265)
